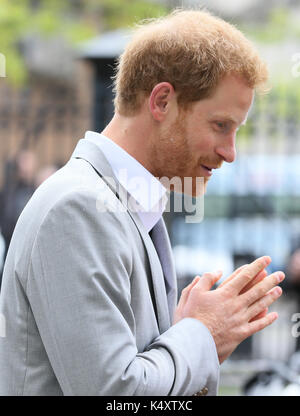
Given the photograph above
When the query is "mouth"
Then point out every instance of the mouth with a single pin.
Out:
(207, 170)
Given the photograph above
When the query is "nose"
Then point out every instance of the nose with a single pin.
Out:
(226, 150)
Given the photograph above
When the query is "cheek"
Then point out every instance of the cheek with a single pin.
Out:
(198, 147)
(203, 142)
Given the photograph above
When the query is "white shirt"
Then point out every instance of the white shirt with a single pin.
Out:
(149, 194)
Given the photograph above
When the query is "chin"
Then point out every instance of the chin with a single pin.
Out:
(197, 187)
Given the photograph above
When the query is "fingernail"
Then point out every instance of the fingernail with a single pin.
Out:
(278, 291)
(280, 276)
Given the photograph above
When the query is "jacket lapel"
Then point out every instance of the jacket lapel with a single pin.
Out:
(164, 305)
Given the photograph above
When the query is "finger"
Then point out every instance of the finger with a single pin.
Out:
(243, 278)
(193, 283)
(186, 291)
(262, 323)
(183, 299)
(263, 287)
(207, 280)
(260, 315)
(264, 302)
(261, 275)
(232, 276)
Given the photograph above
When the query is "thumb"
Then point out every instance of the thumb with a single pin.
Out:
(208, 280)
(186, 291)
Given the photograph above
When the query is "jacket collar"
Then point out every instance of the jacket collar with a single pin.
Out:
(164, 305)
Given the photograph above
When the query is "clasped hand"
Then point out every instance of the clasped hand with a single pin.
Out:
(237, 309)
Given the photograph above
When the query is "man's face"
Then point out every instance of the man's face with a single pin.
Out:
(197, 141)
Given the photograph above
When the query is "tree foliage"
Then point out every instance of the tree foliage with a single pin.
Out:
(281, 25)
(74, 20)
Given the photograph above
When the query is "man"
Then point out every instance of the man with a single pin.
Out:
(17, 190)
(89, 292)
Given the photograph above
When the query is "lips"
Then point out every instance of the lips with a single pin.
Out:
(207, 170)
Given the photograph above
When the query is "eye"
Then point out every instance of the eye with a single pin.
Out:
(221, 125)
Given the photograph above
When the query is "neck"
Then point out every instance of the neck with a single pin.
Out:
(133, 135)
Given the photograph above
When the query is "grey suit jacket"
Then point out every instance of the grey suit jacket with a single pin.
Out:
(86, 307)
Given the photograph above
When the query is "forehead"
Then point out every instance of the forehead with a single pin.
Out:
(232, 99)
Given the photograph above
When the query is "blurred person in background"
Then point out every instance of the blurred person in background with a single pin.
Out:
(293, 271)
(44, 173)
(22, 179)
(18, 188)
(292, 282)
(90, 267)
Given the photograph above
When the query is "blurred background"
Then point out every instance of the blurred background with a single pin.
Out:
(56, 64)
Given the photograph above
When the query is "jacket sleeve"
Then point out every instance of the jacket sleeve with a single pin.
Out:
(79, 290)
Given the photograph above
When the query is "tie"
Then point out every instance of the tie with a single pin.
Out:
(161, 242)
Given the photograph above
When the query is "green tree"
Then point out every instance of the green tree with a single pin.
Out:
(75, 20)
(280, 25)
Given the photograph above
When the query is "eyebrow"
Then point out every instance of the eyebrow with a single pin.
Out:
(228, 117)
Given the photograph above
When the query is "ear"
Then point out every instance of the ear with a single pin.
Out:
(161, 99)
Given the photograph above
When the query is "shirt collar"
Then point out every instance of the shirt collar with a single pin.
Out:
(149, 194)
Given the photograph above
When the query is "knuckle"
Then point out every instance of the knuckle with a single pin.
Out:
(247, 274)
(263, 303)
(256, 293)
(268, 299)
(250, 297)
(226, 292)
(257, 308)
(227, 289)
(195, 289)
(208, 276)
(260, 291)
